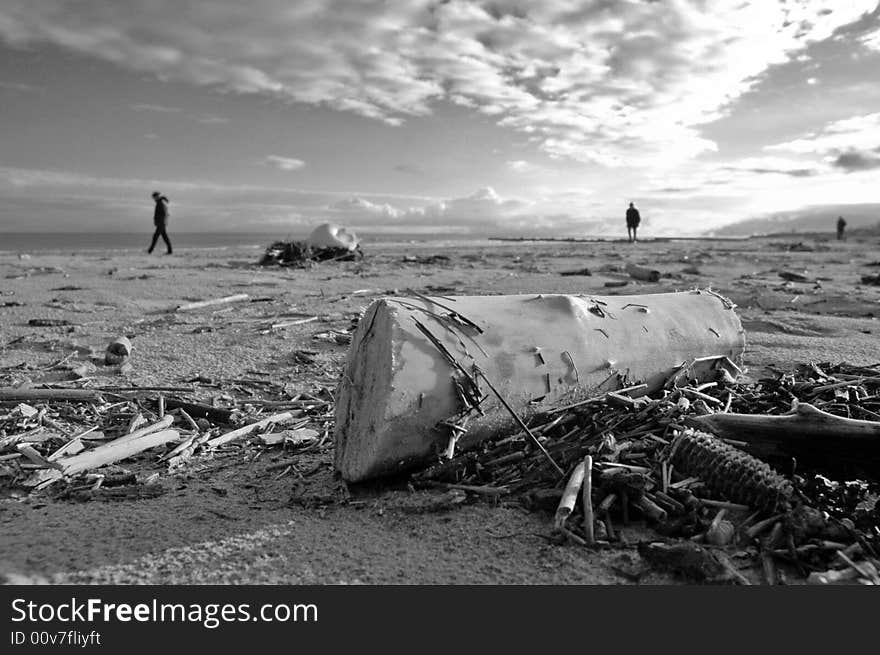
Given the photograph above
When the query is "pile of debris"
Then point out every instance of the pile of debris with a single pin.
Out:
(302, 254)
(626, 455)
(72, 443)
(327, 242)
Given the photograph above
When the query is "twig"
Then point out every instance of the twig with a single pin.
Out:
(587, 499)
(521, 423)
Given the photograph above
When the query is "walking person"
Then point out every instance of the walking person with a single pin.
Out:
(632, 222)
(160, 220)
(841, 226)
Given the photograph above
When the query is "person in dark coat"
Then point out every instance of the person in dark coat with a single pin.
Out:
(160, 220)
(841, 226)
(632, 222)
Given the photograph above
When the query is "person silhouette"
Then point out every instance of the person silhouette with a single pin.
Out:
(632, 222)
(841, 226)
(160, 220)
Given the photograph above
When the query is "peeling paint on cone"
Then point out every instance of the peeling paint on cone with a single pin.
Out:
(410, 368)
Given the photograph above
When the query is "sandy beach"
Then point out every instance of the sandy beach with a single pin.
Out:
(231, 518)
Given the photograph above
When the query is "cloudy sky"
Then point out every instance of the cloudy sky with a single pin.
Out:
(483, 115)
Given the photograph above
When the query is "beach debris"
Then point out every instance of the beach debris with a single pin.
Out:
(792, 276)
(114, 451)
(31, 395)
(729, 471)
(199, 410)
(642, 273)
(391, 411)
(797, 523)
(578, 271)
(805, 432)
(49, 322)
(327, 242)
(118, 351)
(615, 283)
(685, 558)
(296, 437)
(238, 297)
(238, 433)
(329, 235)
(425, 259)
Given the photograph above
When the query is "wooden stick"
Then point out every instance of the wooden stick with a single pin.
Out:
(807, 433)
(587, 499)
(161, 406)
(36, 458)
(521, 423)
(247, 429)
(189, 420)
(198, 410)
(164, 422)
(485, 490)
(649, 509)
(728, 566)
(569, 496)
(733, 507)
(760, 526)
(302, 321)
(216, 301)
(769, 568)
(75, 395)
(114, 451)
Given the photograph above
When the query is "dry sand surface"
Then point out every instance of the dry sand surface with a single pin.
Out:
(227, 519)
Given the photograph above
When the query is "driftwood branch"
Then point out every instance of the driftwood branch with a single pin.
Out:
(239, 297)
(114, 451)
(198, 410)
(77, 395)
(806, 433)
(247, 429)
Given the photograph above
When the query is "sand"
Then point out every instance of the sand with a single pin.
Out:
(228, 520)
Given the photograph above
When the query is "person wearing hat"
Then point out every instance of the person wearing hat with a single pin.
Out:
(160, 220)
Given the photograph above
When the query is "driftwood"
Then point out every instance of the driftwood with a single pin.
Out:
(114, 451)
(806, 433)
(197, 410)
(75, 395)
(247, 429)
(587, 498)
(215, 301)
(418, 367)
(642, 273)
(569, 496)
(161, 424)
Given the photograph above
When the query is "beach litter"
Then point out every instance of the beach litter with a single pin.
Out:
(327, 242)
(118, 351)
(642, 273)
(709, 499)
(73, 443)
(419, 367)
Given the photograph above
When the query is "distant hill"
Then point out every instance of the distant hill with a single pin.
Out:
(820, 218)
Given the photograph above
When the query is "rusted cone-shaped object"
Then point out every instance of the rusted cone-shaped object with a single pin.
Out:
(422, 372)
(118, 351)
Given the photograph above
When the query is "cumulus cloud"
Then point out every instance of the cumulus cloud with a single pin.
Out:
(284, 163)
(608, 82)
(871, 40)
(851, 145)
(855, 160)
